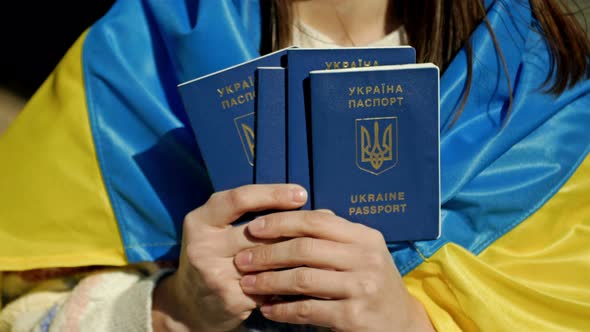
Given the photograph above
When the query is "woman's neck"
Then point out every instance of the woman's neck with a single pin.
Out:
(347, 22)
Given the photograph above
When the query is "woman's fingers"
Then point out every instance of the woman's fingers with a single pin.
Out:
(316, 312)
(296, 252)
(225, 207)
(321, 224)
(300, 281)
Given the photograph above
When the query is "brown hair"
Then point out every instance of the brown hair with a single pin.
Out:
(439, 29)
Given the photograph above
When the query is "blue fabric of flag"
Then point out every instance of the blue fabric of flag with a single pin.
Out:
(500, 161)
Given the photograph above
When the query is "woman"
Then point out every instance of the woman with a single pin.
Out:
(115, 169)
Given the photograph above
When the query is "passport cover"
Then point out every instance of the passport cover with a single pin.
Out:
(375, 135)
(301, 62)
(220, 108)
(270, 165)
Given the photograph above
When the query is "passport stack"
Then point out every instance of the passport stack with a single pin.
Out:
(220, 107)
(357, 127)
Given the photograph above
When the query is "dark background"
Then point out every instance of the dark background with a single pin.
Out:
(34, 36)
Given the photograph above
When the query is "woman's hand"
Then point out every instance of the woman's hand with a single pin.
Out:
(344, 269)
(204, 294)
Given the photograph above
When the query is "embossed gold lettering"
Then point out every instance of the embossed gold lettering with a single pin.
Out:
(377, 209)
(238, 86)
(250, 96)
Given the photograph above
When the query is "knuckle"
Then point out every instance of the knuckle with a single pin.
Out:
(278, 195)
(216, 198)
(190, 217)
(280, 310)
(191, 222)
(262, 255)
(237, 199)
(373, 260)
(263, 281)
(326, 211)
(303, 247)
(303, 310)
(310, 219)
(303, 281)
(368, 288)
(375, 236)
(352, 311)
(272, 220)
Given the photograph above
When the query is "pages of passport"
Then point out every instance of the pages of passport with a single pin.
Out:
(300, 62)
(375, 148)
(271, 164)
(220, 108)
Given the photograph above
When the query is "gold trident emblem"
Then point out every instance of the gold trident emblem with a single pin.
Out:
(377, 147)
(249, 135)
(244, 126)
(379, 151)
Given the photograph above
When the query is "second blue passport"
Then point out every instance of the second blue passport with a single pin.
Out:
(300, 62)
(221, 110)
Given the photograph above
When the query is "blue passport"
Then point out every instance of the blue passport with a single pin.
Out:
(375, 148)
(220, 108)
(271, 164)
(301, 62)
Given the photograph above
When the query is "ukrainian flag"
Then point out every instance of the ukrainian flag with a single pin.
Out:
(103, 165)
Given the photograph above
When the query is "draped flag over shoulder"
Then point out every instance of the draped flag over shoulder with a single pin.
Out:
(101, 166)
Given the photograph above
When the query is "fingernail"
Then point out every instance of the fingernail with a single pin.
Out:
(299, 195)
(257, 224)
(248, 281)
(244, 258)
